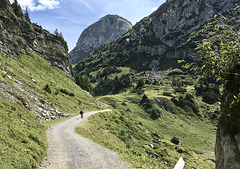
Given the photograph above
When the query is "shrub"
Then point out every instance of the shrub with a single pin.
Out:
(124, 104)
(187, 103)
(47, 89)
(179, 150)
(180, 90)
(175, 72)
(140, 83)
(167, 94)
(67, 92)
(210, 97)
(175, 140)
(155, 114)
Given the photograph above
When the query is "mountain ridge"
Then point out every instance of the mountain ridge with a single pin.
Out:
(157, 38)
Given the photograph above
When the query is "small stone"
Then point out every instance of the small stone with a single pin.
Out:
(9, 77)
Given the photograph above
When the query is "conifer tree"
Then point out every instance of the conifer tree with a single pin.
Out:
(56, 32)
(26, 15)
(17, 9)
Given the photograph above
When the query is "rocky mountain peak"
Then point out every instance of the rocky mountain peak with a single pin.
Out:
(105, 30)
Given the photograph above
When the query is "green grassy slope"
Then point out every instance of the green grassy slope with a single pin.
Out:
(141, 131)
(22, 138)
(23, 142)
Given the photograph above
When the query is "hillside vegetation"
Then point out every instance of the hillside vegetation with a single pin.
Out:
(23, 98)
(158, 118)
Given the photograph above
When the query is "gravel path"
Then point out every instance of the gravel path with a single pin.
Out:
(68, 150)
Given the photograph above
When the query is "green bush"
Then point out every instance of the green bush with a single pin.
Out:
(210, 97)
(140, 83)
(179, 150)
(175, 72)
(47, 89)
(175, 140)
(187, 103)
(155, 114)
(167, 94)
(67, 92)
(180, 90)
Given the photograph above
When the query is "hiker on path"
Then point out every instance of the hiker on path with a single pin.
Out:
(81, 113)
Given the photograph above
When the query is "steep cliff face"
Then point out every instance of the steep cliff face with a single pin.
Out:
(160, 38)
(163, 32)
(21, 39)
(17, 35)
(105, 30)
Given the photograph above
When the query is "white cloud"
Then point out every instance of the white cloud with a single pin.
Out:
(86, 4)
(38, 5)
(154, 9)
(70, 50)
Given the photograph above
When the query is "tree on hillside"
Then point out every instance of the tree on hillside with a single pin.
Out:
(59, 36)
(26, 15)
(17, 8)
(56, 32)
(83, 82)
(140, 83)
(220, 56)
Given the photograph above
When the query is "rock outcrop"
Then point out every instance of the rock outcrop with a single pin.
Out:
(105, 30)
(19, 38)
(17, 35)
(163, 32)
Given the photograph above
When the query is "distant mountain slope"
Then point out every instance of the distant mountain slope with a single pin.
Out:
(156, 41)
(105, 30)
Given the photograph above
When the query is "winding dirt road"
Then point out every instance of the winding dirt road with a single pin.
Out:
(68, 150)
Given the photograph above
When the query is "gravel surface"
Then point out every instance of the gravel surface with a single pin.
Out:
(68, 150)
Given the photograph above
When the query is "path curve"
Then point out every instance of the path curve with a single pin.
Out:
(69, 150)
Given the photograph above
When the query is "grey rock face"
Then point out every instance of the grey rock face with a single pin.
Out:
(105, 30)
(227, 150)
(163, 32)
(18, 36)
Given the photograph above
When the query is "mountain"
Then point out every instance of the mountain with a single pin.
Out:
(157, 41)
(35, 86)
(105, 30)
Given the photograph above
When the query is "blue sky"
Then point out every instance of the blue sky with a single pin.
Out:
(71, 17)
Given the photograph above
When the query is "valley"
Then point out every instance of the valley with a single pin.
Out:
(147, 120)
(171, 82)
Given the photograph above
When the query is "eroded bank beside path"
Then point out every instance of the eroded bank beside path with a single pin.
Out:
(68, 150)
